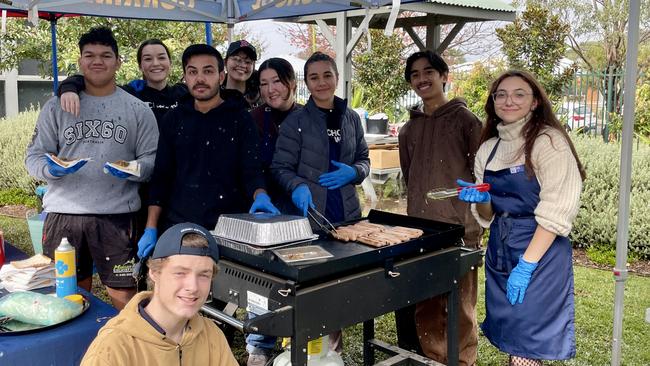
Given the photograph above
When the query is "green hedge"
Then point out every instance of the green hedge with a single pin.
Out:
(595, 225)
(15, 135)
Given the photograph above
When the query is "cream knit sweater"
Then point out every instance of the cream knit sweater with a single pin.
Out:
(555, 168)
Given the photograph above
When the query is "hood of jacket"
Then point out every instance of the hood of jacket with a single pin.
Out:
(450, 107)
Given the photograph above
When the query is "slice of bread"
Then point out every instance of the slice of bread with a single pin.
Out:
(37, 261)
(130, 167)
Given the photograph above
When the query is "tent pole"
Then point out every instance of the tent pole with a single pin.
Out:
(622, 231)
(55, 63)
(208, 33)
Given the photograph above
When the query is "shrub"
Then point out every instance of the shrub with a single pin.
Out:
(16, 196)
(15, 135)
(595, 225)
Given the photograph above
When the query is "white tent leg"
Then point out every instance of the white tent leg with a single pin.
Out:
(339, 48)
(622, 228)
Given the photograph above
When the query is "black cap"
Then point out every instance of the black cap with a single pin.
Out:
(242, 45)
(170, 241)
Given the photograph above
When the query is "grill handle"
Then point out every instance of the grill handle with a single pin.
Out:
(224, 318)
(277, 323)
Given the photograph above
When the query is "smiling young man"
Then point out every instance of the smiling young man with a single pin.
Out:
(437, 145)
(92, 204)
(163, 327)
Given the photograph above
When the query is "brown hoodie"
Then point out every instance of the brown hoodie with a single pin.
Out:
(435, 151)
(128, 339)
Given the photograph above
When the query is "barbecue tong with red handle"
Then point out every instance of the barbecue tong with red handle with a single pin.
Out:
(442, 193)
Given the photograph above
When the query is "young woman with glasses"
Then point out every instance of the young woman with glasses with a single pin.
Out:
(241, 79)
(536, 179)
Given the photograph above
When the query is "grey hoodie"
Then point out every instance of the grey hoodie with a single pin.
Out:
(110, 128)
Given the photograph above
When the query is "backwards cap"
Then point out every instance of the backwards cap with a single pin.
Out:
(170, 242)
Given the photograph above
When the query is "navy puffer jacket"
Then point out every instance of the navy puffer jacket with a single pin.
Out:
(302, 154)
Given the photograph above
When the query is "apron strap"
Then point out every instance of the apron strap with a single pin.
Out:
(492, 153)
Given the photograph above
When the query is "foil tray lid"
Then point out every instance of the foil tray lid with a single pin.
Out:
(263, 229)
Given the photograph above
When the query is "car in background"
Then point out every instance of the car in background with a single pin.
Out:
(577, 117)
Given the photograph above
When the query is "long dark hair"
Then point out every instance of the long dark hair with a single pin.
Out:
(284, 70)
(542, 117)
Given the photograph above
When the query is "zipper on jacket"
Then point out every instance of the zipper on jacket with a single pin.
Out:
(180, 354)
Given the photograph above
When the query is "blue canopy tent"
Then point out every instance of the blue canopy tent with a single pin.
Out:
(195, 11)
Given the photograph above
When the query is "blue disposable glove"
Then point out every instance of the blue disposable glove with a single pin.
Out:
(338, 178)
(115, 172)
(301, 197)
(519, 280)
(147, 242)
(138, 84)
(40, 191)
(59, 171)
(471, 195)
(263, 203)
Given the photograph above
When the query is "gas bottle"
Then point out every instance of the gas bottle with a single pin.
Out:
(318, 354)
(66, 269)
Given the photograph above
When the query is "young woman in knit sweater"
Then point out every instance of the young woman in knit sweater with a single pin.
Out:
(536, 179)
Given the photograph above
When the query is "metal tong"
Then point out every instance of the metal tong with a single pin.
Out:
(442, 193)
(321, 221)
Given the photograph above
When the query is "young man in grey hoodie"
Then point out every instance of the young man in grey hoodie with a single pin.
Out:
(92, 203)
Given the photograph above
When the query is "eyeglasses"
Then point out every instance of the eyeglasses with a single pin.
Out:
(242, 61)
(518, 97)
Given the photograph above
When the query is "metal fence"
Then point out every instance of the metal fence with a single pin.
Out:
(589, 101)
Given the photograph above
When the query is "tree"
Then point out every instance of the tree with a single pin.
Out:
(378, 72)
(598, 38)
(307, 38)
(471, 39)
(23, 41)
(474, 86)
(535, 41)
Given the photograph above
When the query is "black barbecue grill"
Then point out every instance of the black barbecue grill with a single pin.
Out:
(357, 284)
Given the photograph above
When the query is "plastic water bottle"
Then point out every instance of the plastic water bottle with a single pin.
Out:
(66, 269)
(318, 354)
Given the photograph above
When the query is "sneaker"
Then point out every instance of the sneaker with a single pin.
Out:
(257, 360)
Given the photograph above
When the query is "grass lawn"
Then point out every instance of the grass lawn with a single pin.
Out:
(594, 312)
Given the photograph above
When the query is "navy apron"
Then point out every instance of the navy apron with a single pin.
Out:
(542, 327)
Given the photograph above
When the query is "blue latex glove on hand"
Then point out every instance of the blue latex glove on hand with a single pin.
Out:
(301, 197)
(40, 191)
(147, 242)
(59, 171)
(471, 195)
(338, 178)
(519, 280)
(138, 84)
(263, 203)
(116, 173)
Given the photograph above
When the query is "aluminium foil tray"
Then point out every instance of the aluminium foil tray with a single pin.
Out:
(262, 230)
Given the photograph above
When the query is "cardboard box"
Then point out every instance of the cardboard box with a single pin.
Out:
(384, 159)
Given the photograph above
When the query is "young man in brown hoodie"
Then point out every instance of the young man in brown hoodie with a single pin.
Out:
(436, 146)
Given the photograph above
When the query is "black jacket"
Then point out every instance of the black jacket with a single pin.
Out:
(206, 164)
(268, 121)
(160, 101)
(302, 154)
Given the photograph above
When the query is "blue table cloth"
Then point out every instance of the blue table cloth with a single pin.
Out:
(63, 345)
